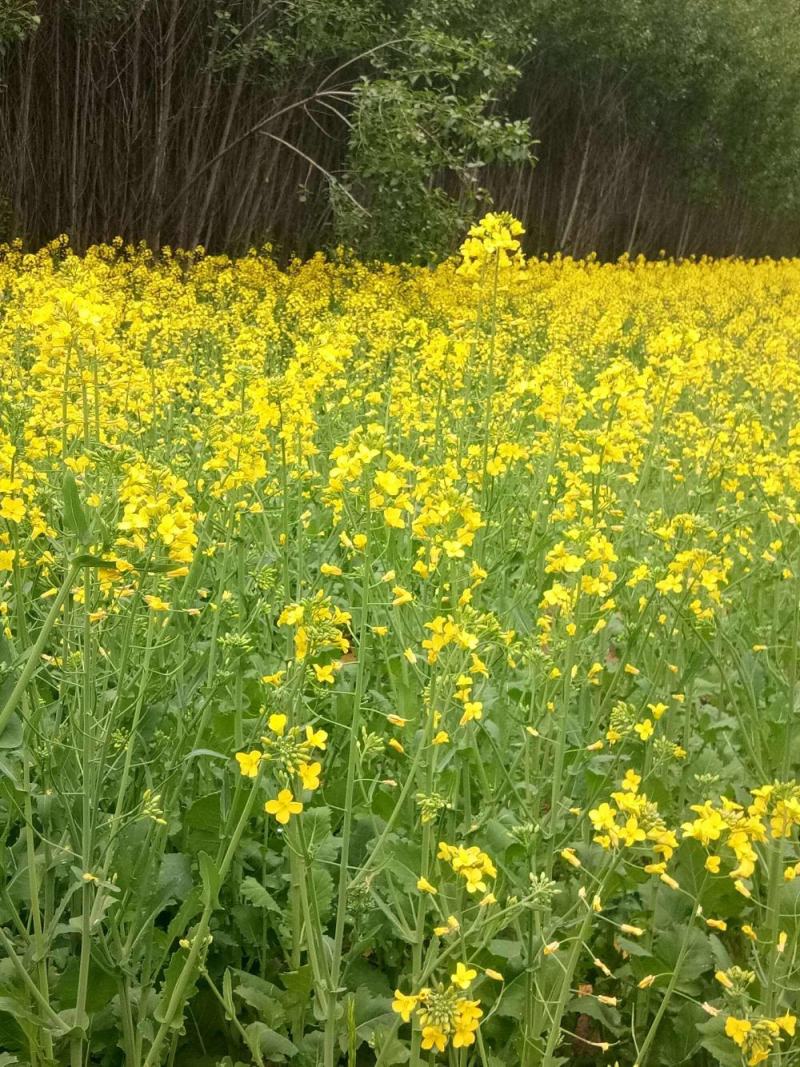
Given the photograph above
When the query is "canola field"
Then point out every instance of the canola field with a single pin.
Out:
(398, 665)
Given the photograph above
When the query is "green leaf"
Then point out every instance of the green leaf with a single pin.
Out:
(12, 735)
(204, 822)
(211, 880)
(389, 1048)
(175, 875)
(299, 984)
(173, 973)
(227, 994)
(715, 1041)
(322, 888)
(263, 996)
(265, 1041)
(192, 906)
(75, 521)
(255, 893)
(85, 560)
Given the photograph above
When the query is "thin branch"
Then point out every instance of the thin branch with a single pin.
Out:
(318, 166)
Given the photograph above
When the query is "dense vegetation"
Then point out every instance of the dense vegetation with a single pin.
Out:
(398, 664)
(668, 124)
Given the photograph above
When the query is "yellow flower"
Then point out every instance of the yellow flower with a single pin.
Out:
(494, 975)
(787, 1023)
(316, 738)
(325, 673)
(450, 927)
(330, 570)
(441, 738)
(717, 924)
(644, 729)
(309, 773)
(12, 508)
(404, 1004)
(248, 762)
(155, 603)
(463, 976)
(291, 615)
(424, 886)
(277, 723)
(434, 1037)
(283, 807)
(473, 709)
(657, 710)
(737, 1029)
(631, 781)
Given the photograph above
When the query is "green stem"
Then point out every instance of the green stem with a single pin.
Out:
(668, 992)
(775, 880)
(191, 966)
(35, 653)
(347, 825)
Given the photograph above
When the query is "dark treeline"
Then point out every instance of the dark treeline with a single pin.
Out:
(606, 125)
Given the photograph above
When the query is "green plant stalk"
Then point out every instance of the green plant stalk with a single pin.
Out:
(296, 873)
(311, 917)
(58, 1024)
(549, 1059)
(126, 769)
(668, 992)
(186, 976)
(347, 825)
(774, 883)
(32, 662)
(419, 936)
(430, 750)
(487, 416)
(36, 916)
(239, 1028)
(87, 757)
(558, 762)
(126, 1015)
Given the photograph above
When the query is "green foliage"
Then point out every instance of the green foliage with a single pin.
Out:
(18, 19)
(712, 83)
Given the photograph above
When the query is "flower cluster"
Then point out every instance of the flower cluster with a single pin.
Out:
(470, 863)
(444, 1014)
(319, 627)
(756, 1037)
(631, 820)
(291, 754)
(493, 238)
(157, 514)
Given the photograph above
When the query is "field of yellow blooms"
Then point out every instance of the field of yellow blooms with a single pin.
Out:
(398, 664)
